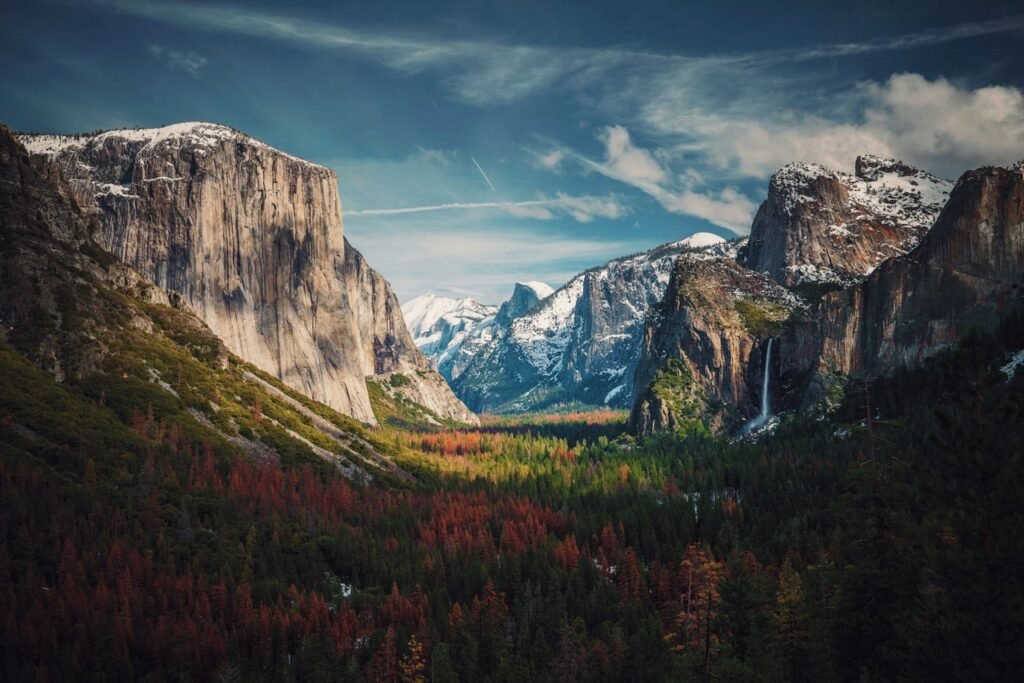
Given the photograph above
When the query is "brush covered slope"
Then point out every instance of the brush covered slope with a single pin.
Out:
(251, 240)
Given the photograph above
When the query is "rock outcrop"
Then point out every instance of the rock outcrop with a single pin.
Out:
(967, 273)
(823, 228)
(250, 239)
(702, 358)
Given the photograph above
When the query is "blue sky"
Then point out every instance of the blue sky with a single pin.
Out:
(480, 143)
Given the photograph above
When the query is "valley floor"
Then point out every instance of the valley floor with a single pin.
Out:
(140, 542)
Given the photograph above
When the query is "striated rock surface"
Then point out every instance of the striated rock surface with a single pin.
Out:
(820, 227)
(250, 239)
(968, 272)
(703, 351)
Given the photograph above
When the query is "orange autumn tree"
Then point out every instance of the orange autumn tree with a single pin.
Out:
(699, 576)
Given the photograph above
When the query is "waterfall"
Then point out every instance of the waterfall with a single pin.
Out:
(758, 421)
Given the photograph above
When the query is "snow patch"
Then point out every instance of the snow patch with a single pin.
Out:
(1010, 369)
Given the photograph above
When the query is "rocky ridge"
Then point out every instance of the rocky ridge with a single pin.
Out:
(967, 273)
(702, 356)
(824, 227)
(953, 268)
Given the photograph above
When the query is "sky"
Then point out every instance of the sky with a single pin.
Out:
(481, 143)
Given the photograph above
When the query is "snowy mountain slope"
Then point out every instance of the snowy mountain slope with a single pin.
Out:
(581, 343)
(821, 226)
(437, 322)
(451, 332)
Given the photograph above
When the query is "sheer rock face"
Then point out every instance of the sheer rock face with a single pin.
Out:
(251, 240)
(822, 227)
(702, 358)
(387, 345)
(968, 272)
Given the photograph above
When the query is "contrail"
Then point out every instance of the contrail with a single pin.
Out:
(475, 162)
(489, 183)
(454, 205)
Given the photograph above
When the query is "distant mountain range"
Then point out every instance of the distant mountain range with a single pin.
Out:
(852, 274)
(575, 345)
(843, 276)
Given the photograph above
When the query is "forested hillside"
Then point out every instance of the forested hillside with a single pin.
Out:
(137, 545)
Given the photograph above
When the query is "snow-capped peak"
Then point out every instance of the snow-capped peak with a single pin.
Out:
(422, 313)
(699, 240)
(541, 289)
(198, 134)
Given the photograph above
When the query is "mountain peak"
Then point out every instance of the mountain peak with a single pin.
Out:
(541, 289)
(700, 240)
(871, 167)
(826, 226)
(194, 134)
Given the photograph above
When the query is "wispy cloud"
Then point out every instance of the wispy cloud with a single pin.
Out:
(189, 61)
(438, 157)
(583, 209)
(731, 109)
(481, 71)
(638, 168)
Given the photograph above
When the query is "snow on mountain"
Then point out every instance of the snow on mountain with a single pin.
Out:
(580, 343)
(439, 324)
(541, 289)
(699, 240)
(828, 227)
(195, 135)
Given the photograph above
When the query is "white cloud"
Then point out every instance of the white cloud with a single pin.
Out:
(627, 161)
(586, 209)
(637, 167)
(550, 160)
(729, 208)
(189, 62)
(934, 124)
(938, 123)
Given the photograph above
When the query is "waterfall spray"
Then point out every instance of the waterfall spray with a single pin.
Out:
(758, 421)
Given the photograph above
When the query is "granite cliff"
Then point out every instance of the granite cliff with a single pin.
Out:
(824, 228)
(703, 351)
(579, 344)
(250, 239)
(967, 273)
(893, 271)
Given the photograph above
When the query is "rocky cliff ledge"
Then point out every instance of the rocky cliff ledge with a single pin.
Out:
(251, 240)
